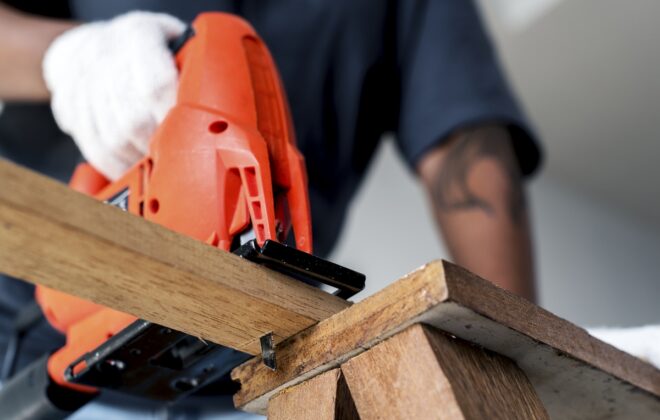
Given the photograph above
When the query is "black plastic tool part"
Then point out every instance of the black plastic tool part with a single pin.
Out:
(177, 43)
(303, 266)
(155, 362)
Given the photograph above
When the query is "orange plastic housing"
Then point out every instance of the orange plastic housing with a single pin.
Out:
(223, 162)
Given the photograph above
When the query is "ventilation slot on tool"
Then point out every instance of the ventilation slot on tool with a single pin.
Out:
(251, 181)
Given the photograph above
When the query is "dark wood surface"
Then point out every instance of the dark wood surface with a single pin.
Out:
(324, 397)
(421, 373)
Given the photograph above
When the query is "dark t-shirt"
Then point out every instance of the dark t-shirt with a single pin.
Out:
(353, 70)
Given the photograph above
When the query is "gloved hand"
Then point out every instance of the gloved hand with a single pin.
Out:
(112, 83)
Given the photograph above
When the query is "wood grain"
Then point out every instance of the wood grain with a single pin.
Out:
(324, 397)
(576, 375)
(64, 240)
(421, 373)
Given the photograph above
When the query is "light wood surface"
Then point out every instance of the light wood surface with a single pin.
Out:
(324, 397)
(54, 236)
(575, 375)
(421, 373)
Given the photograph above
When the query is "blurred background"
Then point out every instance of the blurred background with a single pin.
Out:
(588, 74)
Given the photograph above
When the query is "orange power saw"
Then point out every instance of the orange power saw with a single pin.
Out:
(223, 168)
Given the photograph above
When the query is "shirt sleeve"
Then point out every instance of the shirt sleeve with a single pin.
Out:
(450, 78)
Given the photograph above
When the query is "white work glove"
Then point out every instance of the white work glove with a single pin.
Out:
(112, 83)
(642, 342)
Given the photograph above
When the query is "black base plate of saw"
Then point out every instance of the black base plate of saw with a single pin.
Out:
(303, 266)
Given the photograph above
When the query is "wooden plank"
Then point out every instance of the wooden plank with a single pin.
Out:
(54, 236)
(324, 397)
(576, 375)
(421, 373)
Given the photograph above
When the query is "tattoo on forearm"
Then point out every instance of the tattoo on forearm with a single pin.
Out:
(451, 191)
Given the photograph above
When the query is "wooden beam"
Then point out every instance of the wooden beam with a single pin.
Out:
(56, 237)
(576, 375)
(421, 373)
(324, 397)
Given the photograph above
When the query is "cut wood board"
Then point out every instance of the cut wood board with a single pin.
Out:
(324, 397)
(64, 240)
(423, 373)
(575, 375)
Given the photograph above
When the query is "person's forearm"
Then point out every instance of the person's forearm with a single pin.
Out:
(23, 43)
(479, 203)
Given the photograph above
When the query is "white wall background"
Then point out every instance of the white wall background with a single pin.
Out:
(589, 74)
